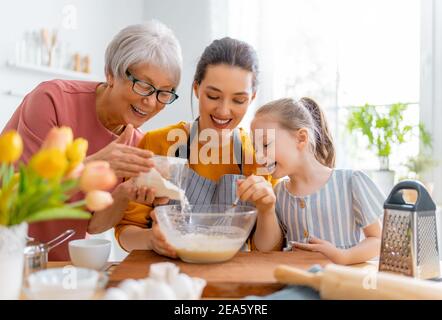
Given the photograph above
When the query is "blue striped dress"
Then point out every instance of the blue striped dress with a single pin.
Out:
(337, 212)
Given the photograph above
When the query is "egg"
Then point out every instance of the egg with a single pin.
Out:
(133, 288)
(198, 287)
(164, 271)
(183, 286)
(157, 290)
(116, 294)
(164, 283)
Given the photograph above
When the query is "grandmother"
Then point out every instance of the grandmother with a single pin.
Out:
(143, 68)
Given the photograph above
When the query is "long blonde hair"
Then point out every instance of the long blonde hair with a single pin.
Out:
(305, 113)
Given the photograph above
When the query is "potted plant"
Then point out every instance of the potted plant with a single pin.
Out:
(418, 166)
(40, 190)
(384, 130)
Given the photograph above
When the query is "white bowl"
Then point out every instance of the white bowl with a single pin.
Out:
(62, 284)
(90, 253)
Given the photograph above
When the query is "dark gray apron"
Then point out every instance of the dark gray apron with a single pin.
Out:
(200, 190)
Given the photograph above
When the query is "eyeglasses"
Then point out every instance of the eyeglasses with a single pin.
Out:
(145, 89)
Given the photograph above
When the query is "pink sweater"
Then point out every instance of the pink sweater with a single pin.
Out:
(60, 103)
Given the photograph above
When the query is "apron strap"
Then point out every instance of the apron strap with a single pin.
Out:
(184, 150)
(237, 149)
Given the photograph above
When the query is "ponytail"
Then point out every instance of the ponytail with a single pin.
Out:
(324, 147)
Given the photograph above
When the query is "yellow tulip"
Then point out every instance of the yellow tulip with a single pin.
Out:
(98, 200)
(58, 138)
(11, 147)
(49, 163)
(76, 152)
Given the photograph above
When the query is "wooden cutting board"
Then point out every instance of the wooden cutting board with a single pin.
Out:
(248, 273)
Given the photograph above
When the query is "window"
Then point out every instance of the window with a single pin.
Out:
(342, 53)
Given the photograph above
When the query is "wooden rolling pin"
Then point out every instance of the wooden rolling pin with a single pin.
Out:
(347, 283)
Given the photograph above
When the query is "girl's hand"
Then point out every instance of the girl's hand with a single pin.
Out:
(158, 241)
(125, 160)
(336, 255)
(130, 192)
(257, 189)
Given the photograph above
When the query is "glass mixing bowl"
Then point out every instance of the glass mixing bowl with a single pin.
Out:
(206, 233)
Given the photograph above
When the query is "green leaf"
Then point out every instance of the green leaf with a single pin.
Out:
(385, 128)
(382, 123)
(4, 218)
(361, 119)
(23, 181)
(2, 171)
(7, 174)
(58, 213)
(425, 136)
(68, 185)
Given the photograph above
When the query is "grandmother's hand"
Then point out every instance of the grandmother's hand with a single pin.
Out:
(125, 160)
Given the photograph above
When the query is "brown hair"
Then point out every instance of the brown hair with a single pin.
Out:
(305, 113)
(227, 51)
(231, 52)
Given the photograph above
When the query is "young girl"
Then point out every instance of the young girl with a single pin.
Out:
(225, 84)
(318, 208)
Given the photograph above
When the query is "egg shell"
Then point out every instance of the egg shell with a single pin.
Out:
(163, 271)
(157, 290)
(116, 294)
(133, 288)
(183, 287)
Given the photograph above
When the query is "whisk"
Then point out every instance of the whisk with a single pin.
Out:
(227, 219)
(235, 203)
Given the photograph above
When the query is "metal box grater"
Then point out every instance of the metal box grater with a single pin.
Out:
(409, 234)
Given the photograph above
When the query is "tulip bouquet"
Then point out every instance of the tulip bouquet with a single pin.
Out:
(40, 190)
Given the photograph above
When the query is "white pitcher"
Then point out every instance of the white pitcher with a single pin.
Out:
(12, 244)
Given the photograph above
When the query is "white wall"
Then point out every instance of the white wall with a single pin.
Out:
(98, 21)
(190, 20)
(431, 84)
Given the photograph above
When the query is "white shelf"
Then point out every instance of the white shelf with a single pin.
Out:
(63, 73)
(15, 94)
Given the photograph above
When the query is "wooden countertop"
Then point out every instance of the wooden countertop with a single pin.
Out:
(248, 273)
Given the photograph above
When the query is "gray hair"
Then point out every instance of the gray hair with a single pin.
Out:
(150, 42)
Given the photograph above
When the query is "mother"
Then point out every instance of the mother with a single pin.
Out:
(225, 84)
(143, 68)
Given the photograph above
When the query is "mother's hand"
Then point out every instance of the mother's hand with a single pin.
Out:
(158, 242)
(125, 160)
(131, 192)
